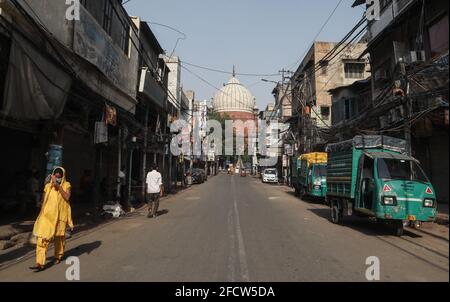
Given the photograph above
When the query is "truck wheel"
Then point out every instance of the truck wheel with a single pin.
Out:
(336, 214)
(399, 228)
(302, 193)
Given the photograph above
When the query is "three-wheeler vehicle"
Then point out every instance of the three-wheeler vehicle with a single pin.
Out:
(373, 176)
(311, 172)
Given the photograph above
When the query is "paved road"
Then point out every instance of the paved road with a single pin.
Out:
(237, 229)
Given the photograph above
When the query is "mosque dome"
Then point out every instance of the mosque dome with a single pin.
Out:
(234, 97)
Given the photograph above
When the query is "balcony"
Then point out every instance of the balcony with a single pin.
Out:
(387, 17)
(151, 89)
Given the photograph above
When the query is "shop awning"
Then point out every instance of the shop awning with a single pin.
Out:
(35, 87)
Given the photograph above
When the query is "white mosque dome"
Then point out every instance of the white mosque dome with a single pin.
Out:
(234, 97)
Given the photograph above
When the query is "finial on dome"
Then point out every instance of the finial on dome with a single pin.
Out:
(234, 71)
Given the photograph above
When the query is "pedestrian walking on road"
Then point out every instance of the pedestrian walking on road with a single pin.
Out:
(55, 217)
(154, 191)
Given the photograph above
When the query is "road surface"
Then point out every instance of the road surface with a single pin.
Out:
(238, 229)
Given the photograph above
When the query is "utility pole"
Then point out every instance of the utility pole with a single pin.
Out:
(144, 154)
(407, 107)
(283, 75)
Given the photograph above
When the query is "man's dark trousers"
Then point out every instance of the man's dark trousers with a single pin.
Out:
(153, 204)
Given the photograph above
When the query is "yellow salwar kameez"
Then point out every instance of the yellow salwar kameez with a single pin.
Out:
(53, 220)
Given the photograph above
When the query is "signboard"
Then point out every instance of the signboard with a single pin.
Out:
(110, 116)
(288, 150)
(151, 89)
(101, 133)
(93, 44)
(285, 161)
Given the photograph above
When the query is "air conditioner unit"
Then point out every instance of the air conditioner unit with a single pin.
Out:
(417, 56)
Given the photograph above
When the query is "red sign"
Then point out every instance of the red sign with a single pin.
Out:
(429, 191)
(387, 188)
(110, 115)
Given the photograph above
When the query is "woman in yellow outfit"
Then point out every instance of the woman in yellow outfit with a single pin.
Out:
(54, 218)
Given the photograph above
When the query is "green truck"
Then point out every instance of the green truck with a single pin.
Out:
(372, 176)
(310, 175)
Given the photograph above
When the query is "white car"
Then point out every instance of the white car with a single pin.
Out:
(270, 176)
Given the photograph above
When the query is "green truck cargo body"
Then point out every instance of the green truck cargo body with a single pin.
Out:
(342, 173)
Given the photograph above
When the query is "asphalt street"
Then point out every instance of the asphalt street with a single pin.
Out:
(238, 229)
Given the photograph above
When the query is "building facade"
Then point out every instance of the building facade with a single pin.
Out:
(102, 95)
(317, 74)
(408, 50)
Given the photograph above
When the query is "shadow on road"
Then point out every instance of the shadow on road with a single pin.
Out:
(307, 199)
(363, 225)
(15, 254)
(83, 249)
(162, 212)
(76, 252)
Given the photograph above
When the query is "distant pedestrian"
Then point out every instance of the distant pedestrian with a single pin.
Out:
(55, 217)
(123, 184)
(154, 191)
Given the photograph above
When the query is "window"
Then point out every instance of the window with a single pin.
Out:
(325, 112)
(320, 171)
(324, 68)
(354, 70)
(438, 34)
(5, 46)
(107, 16)
(394, 169)
(347, 109)
(350, 109)
(270, 172)
(125, 39)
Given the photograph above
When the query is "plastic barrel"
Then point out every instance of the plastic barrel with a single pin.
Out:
(55, 155)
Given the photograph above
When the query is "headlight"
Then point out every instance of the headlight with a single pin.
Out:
(317, 182)
(389, 201)
(428, 203)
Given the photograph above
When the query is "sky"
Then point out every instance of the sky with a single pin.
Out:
(257, 36)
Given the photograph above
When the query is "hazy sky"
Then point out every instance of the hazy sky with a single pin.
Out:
(258, 36)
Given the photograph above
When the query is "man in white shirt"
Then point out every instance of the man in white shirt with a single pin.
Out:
(154, 191)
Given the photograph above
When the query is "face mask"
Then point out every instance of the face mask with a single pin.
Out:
(59, 180)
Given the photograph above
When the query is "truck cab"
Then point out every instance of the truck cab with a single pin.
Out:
(394, 187)
(311, 178)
